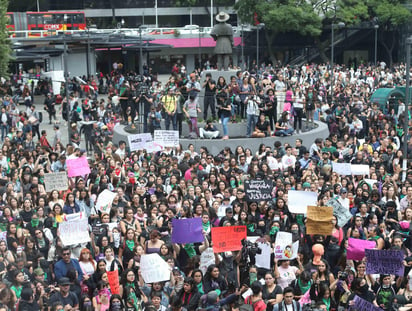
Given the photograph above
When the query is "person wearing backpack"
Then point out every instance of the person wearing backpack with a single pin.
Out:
(289, 303)
(254, 302)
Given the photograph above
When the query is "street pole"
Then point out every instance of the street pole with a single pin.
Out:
(200, 51)
(140, 52)
(66, 88)
(406, 114)
(211, 13)
(88, 54)
(157, 18)
(241, 46)
(376, 44)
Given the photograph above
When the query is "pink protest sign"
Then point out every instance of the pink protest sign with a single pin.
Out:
(356, 248)
(77, 167)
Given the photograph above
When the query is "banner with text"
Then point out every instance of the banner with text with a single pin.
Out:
(74, 232)
(384, 262)
(284, 247)
(207, 258)
(258, 190)
(154, 269)
(56, 181)
(228, 238)
(342, 214)
(105, 200)
(166, 138)
(361, 304)
(298, 201)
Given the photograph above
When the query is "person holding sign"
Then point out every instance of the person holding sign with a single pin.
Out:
(285, 273)
(130, 292)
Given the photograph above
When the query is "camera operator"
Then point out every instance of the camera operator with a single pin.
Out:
(210, 91)
(124, 94)
(143, 100)
(193, 87)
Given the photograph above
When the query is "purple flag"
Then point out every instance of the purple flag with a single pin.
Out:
(384, 262)
(187, 230)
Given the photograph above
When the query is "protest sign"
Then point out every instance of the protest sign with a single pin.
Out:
(56, 181)
(207, 258)
(77, 167)
(384, 262)
(342, 168)
(370, 182)
(284, 248)
(73, 217)
(3, 236)
(74, 232)
(319, 220)
(187, 230)
(105, 200)
(166, 138)
(364, 305)
(263, 259)
(228, 238)
(221, 211)
(138, 141)
(359, 169)
(356, 248)
(342, 214)
(154, 269)
(113, 277)
(258, 190)
(298, 201)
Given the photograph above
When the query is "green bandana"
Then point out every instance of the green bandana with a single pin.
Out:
(35, 222)
(251, 227)
(304, 288)
(206, 226)
(190, 250)
(130, 244)
(273, 230)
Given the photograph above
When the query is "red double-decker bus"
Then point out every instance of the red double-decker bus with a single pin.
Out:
(49, 21)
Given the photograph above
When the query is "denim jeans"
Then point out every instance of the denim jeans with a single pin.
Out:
(4, 131)
(284, 132)
(225, 121)
(172, 118)
(251, 123)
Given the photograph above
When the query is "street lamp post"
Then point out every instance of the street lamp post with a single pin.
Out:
(140, 51)
(406, 118)
(332, 56)
(258, 28)
(376, 43)
(66, 86)
(241, 46)
(200, 48)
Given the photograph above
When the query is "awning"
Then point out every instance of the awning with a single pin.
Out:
(192, 42)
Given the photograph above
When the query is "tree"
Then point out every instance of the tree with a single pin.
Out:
(282, 16)
(5, 44)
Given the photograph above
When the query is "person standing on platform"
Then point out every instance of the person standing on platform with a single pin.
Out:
(210, 91)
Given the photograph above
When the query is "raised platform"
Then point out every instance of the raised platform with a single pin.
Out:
(237, 132)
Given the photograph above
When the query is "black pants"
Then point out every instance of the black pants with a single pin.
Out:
(123, 104)
(270, 113)
(52, 114)
(298, 118)
(180, 117)
(209, 101)
(36, 130)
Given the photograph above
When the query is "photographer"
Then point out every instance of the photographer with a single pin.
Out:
(210, 90)
(143, 100)
(193, 87)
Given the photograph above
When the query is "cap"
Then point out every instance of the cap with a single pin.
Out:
(306, 185)
(38, 271)
(211, 297)
(343, 190)
(64, 281)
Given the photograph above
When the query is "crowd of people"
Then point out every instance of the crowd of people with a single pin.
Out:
(38, 272)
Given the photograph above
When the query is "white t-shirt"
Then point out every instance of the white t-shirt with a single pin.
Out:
(286, 276)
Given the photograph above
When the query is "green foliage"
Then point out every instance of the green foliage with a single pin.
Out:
(5, 44)
(183, 3)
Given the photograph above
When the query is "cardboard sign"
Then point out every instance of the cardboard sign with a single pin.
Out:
(364, 305)
(113, 277)
(105, 200)
(319, 220)
(154, 269)
(207, 258)
(384, 262)
(284, 247)
(342, 213)
(56, 181)
(166, 138)
(342, 168)
(187, 230)
(258, 190)
(77, 167)
(263, 259)
(74, 232)
(298, 201)
(228, 238)
(356, 248)
(139, 141)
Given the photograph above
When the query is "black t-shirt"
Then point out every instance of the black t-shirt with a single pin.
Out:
(71, 299)
(267, 296)
(262, 126)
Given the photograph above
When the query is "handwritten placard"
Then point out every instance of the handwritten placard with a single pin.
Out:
(363, 305)
(154, 269)
(263, 259)
(113, 277)
(207, 258)
(298, 201)
(105, 200)
(342, 213)
(258, 190)
(138, 141)
(166, 138)
(284, 247)
(56, 181)
(384, 262)
(228, 238)
(356, 248)
(77, 167)
(342, 168)
(319, 220)
(187, 230)
(74, 232)
(359, 169)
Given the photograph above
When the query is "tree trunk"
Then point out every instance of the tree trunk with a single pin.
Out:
(384, 37)
(321, 46)
(270, 37)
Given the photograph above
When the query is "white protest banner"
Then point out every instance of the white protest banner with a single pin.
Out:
(73, 217)
(154, 269)
(284, 248)
(105, 200)
(298, 201)
(74, 232)
(166, 138)
(359, 169)
(342, 168)
(207, 258)
(342, 214)
(3, 237)
(138, 141)
(221, 212)
(56, 181)
(263, 259)
(370, 182)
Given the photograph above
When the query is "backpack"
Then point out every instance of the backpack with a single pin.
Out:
(40, 117)
(248, 306)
